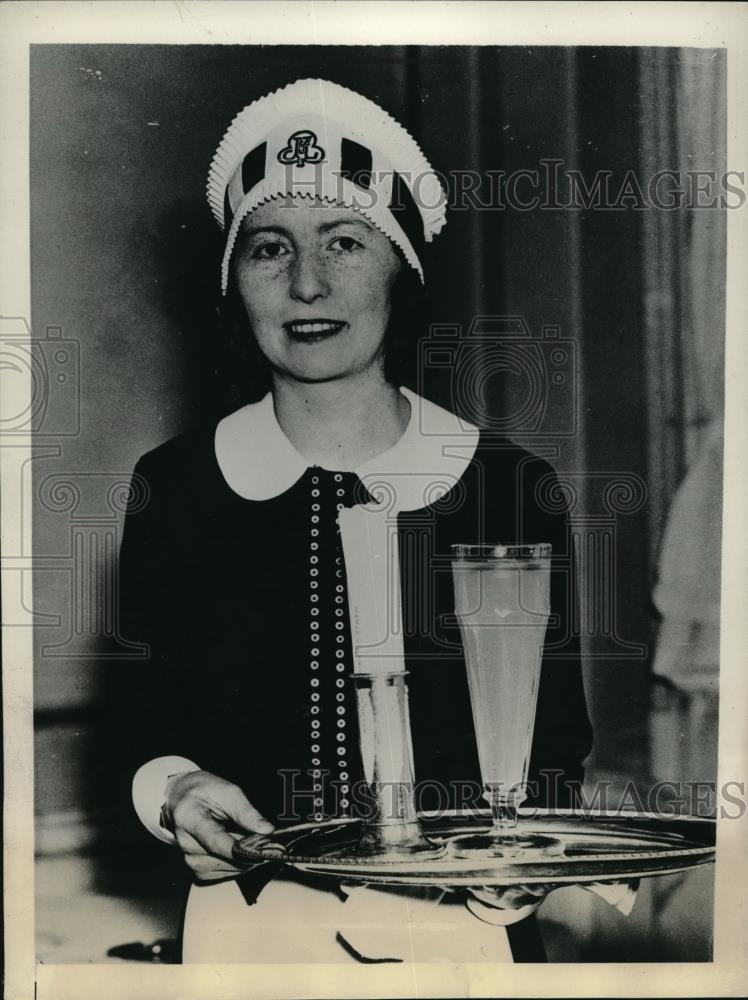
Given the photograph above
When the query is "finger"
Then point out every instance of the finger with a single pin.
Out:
(489, 890)
(204, 866)
(507, 897)
(192, 849)
(516, 899)
(522, 888)
(213, 838)
(187, 843)
(533, 889)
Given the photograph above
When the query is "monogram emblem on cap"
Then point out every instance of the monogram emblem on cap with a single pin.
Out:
(302, 148)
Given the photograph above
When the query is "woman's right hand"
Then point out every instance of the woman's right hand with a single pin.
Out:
(206, 814)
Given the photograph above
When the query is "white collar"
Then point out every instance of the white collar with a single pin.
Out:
(258, 461)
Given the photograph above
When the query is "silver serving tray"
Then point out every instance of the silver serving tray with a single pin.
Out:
(598, 846)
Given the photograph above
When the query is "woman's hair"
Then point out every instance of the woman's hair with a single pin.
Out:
(245, 371)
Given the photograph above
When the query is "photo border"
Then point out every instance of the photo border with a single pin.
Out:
(719, 25)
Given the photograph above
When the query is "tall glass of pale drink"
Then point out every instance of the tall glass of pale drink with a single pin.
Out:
(502, 603)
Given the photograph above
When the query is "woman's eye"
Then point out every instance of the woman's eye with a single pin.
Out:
(346, 244)
(270, 251)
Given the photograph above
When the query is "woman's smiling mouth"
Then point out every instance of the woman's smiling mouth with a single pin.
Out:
(310, 330)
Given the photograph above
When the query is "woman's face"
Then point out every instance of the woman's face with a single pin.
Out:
(315, 280)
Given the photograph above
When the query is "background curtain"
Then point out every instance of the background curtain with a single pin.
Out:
(683, 97)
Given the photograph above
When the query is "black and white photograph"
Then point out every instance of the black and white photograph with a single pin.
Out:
(365, 446)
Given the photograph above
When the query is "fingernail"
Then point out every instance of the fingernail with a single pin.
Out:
(264, 826)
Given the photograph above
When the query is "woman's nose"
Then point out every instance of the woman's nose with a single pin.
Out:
(308, 278)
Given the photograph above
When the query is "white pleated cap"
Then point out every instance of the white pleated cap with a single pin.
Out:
(316, 139)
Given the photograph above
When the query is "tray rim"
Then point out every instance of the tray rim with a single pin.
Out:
(472, 871)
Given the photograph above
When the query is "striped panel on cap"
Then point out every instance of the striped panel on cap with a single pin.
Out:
(403, 207)
(355, 163)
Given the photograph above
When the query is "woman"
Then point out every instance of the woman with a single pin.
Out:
(234, 573)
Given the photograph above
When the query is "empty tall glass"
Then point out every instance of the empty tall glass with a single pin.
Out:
(502, 603)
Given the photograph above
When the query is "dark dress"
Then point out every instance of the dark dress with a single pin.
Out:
(243, 677)
(218, 588)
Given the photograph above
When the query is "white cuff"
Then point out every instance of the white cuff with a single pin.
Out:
(149, 792)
